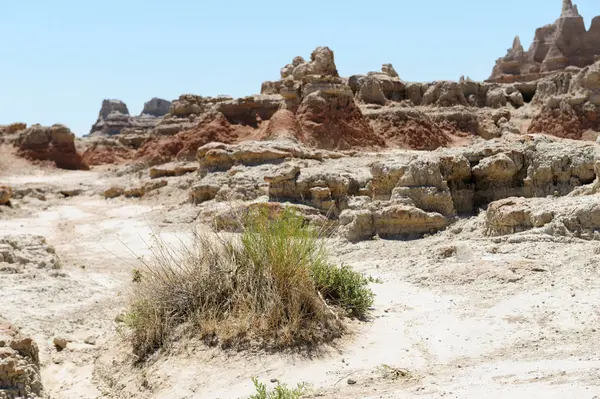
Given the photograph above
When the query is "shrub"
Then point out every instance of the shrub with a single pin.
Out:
(279, 392)
(271, 285)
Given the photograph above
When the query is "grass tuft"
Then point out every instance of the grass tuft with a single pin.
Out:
(271, 285)
(281, 391)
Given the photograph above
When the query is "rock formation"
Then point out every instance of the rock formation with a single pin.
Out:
(211, 126)
(114, 118)
(323, 103)
(393, 195)
(5, 195)
(555, 47)
(156, 107)
(570, 103)
(55, 143)
(19, 365)
(22, 252)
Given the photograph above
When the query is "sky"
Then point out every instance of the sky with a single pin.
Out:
(59, 59)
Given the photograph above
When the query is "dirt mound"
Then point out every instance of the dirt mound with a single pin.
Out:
(335, 122)
(184, 145)
(408, 128)
(560, 122)
(107, 152)
(283, 125)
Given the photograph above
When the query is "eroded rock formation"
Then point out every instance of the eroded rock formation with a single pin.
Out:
(114, 118)
(555, 47)
(55, 143)
(19, 365)
(394, 195)
(570, 103)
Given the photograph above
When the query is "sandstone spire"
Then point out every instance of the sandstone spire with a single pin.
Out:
(517, 43)
(568, 9)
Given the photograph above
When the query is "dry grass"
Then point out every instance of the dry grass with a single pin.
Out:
(268, 286)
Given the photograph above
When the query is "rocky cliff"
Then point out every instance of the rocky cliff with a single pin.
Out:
(555, 47)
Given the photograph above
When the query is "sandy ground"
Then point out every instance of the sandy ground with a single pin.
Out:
(466, 316)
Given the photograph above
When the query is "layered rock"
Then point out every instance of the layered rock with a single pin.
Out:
(209, 127)
(407, 127)
(114, 118)
(404, 194)
(329, 117)
(322, 103)
(156, 107)
(570, 103)
(19, 365)
(568, 216)
(9, 134)
(378, 87)
(555, 47)
(55, 143)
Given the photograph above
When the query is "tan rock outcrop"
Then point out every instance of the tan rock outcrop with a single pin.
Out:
(5, 195)
(55, 143)
(22, 253)
(19, 365)
(571, 216)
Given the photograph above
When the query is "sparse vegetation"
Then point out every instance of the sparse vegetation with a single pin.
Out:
(272, 285)
(392, 373)
(281, 391)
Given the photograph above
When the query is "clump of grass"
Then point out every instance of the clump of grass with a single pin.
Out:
(392, 373)
(281, 391)
(271, 285)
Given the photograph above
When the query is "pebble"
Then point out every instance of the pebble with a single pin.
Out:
(60, 343)
(351, 381)
(91, 340)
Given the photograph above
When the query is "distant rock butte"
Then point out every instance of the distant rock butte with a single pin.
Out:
(114, 117)
(555, 47)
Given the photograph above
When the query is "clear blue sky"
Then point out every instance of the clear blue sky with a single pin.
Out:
(60, 58)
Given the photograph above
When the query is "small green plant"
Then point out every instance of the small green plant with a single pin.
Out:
(344, 287)
(281, 391)
(392, 373)
(136, 275)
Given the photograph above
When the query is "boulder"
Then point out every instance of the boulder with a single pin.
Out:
(389, 221)
(5, 195)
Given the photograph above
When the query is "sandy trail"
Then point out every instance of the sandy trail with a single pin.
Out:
(480, 322)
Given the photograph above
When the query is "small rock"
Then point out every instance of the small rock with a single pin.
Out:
(351, 381)
(91, 340)
(274, 380)
(60, 343)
